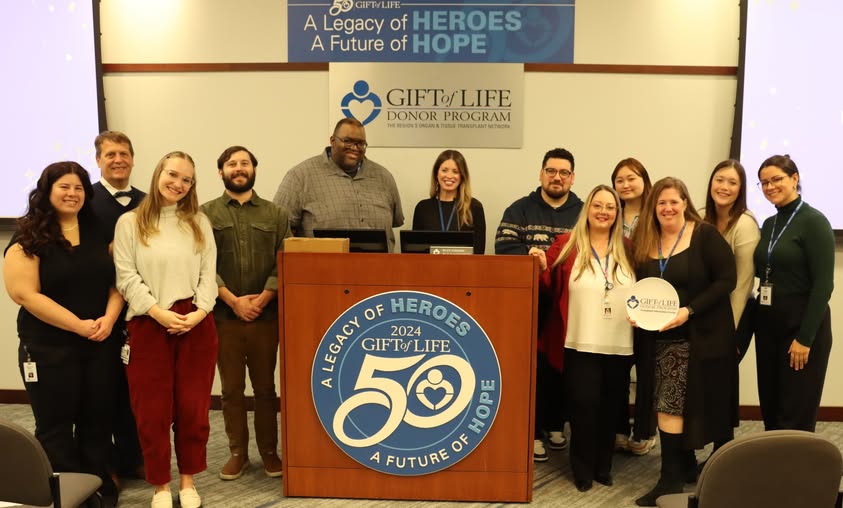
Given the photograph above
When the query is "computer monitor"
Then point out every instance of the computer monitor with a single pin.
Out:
(360, 240)
(450, 242)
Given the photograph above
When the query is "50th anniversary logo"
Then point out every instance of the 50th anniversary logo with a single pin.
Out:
(406, 383)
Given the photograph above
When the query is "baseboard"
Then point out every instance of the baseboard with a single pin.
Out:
(826, 414)
(20, 397)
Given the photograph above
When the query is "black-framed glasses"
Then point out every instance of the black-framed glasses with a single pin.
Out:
(563, 173)
(772, 181)
(353, 143)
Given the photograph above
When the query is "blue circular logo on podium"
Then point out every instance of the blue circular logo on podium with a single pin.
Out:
(406, 383)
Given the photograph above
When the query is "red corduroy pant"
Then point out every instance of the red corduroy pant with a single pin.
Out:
(170, 378)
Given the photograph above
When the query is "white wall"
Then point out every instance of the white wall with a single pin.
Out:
(677, 125)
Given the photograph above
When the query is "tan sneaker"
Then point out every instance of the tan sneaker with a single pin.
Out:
(272, 465)
(189, 498)
(162, 499)
(234, 468)
(641, 447)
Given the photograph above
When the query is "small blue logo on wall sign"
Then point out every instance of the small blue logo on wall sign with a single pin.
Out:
(361, 103)
(406, 383)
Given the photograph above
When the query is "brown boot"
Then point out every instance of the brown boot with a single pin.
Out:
(272, 465)
(234, 468)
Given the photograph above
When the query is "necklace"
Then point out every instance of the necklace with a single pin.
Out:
(71, 228)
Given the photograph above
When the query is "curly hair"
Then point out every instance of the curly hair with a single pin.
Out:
(39, 228)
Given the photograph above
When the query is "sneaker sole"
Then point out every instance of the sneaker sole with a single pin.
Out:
(274, 474)
(229, 477)
(540, 459)
(557, 447)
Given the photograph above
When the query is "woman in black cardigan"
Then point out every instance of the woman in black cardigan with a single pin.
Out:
(694, 355)
(450, 206)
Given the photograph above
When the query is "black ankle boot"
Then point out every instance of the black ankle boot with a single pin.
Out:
(671, 480)
(689, 466)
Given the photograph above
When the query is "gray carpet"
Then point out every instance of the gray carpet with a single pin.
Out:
(552, 483)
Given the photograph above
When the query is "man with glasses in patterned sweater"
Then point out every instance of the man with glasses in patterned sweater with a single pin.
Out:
(534, 221)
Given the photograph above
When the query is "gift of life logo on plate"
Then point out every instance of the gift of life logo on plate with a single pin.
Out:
(406, 383)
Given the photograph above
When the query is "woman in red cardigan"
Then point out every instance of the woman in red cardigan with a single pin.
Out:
(587, 271)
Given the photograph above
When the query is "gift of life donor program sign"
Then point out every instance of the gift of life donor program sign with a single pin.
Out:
(504, 31)
(406, 383)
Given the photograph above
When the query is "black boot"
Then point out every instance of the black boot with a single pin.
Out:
(671, 480)
(689, 466)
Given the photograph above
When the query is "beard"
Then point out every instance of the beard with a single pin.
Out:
(555, 193)
(233, 187)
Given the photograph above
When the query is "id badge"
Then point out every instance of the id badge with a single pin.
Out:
(765, 294)
(30, 372)
(607, 310)
(125, 351)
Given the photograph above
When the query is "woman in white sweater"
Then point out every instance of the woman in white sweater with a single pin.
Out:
(165, 258)
(725, 209)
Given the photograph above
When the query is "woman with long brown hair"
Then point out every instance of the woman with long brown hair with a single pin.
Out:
(694, 353)
(166, 270)
(451, 206)
(57, 268)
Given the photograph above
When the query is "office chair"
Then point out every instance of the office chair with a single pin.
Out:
(27, 477)
(786, 468)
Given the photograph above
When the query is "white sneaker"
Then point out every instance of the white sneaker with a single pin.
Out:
(539, 453)
(621, 442)
(556, 440)
(162, 499)
(189, 498)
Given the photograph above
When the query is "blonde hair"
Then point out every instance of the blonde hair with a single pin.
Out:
(647, 234)
(463, 203)
(149, 210)
(581, 239)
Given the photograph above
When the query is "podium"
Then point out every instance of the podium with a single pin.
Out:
(499, 292)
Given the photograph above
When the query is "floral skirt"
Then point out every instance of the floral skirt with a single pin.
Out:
(671, 376)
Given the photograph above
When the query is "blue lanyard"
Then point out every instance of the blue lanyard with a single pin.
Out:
(663, 262)
(442, 215)
(773, 242)
(608, 285)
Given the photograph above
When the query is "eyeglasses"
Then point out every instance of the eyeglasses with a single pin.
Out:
(776, 180)
(563, 173)
(353, 143)
(600, 207)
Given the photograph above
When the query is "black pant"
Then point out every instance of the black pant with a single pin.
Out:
(72, 402)
(126, 453)
(550, 411)
(594, 384)
(789, 399)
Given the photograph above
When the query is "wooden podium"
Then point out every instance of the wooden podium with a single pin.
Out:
(499, 292)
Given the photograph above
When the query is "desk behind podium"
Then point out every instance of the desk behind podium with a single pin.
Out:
(318, 292)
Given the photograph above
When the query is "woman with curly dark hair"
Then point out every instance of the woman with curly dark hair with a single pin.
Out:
(59, 271)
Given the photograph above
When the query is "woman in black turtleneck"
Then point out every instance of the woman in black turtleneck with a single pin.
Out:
(795, 262)
(450, 206)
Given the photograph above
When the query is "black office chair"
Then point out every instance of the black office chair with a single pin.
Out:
(788, 468)
(27, 477)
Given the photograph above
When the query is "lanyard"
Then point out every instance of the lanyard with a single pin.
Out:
(442, 215)
(608, 286)
(663, 262)
(773, 242)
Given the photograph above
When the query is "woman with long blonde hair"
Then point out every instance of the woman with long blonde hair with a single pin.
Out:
(587, 272)
(451, 206)
(165, 257)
